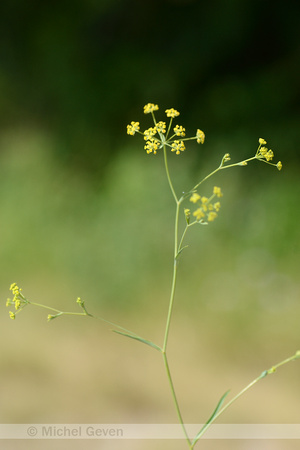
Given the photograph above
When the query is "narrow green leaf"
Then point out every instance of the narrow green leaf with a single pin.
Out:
(138, 338)
(210, 420)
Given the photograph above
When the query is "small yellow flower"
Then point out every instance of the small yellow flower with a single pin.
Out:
(200, 137)
(17, 304)
(179, 131)
(269, 155)
(172, 113)
(262, 141)
(217, 206)
(161, 127)
(279, 165)
(148, 134)
(211, 216)
(133, 128)
(195, 197)
(199, 214)
(187, 213)
(204, 201)
(12, 286)
(217, 191)
(152, 146)
(177, 146)
(12, 315)
(150, 107)
(263, 151)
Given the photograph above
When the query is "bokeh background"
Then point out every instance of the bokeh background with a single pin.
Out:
(85, 212)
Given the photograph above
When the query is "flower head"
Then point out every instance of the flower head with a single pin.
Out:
(159, 134)
(279, 165)
(148, 134)
(211, 216)
(217, 191)
(177, 146)
(161, 127)
(195, 197)
(200, 137)
(133, 128)
(150, 107)
(262, 141)
(206, 209)
(199, 214)
(179, 131)
(152, 146)
(172, 113)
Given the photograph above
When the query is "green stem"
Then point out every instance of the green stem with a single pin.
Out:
(85, 313)
(243, 391)
(167, 329)
(221, 167)
(168, 175)
(175, 398)
(171, 302)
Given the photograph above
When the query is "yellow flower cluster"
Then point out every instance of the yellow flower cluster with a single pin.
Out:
(148, 134)
(150, 107)
(133, 128)
(172, 113)
(206, 211)
(264, 154)
(18, 300)
(157, 137)
(200, 137)
(177, 147)
(179, 131)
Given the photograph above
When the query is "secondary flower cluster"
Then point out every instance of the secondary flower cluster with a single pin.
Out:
(161, 135)
(18, 301)
(207, 210)
(266, 155)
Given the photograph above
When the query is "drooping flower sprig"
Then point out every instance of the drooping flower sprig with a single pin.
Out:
(19, 301)
(160, 135)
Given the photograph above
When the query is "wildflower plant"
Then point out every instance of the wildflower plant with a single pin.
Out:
(191, 208)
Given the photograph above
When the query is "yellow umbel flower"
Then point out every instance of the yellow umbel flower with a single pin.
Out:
(262, 141)
(217, 206)
(172, 113)
(177, 146)
(195, 197)
(12, 315)
(279, 165)
(211, 216)
(199, 214)
(148, 134)
(200, 137)
(179, 131)
(150, 107)
(133, 128)
(217, 191)
(161, 127)
(152, 146)
(269, 155)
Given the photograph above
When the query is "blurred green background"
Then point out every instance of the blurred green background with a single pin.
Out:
(85, 212)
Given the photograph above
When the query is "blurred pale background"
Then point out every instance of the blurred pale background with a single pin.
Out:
(85, 212)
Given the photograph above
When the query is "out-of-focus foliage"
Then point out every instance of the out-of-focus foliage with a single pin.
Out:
(83, 70)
